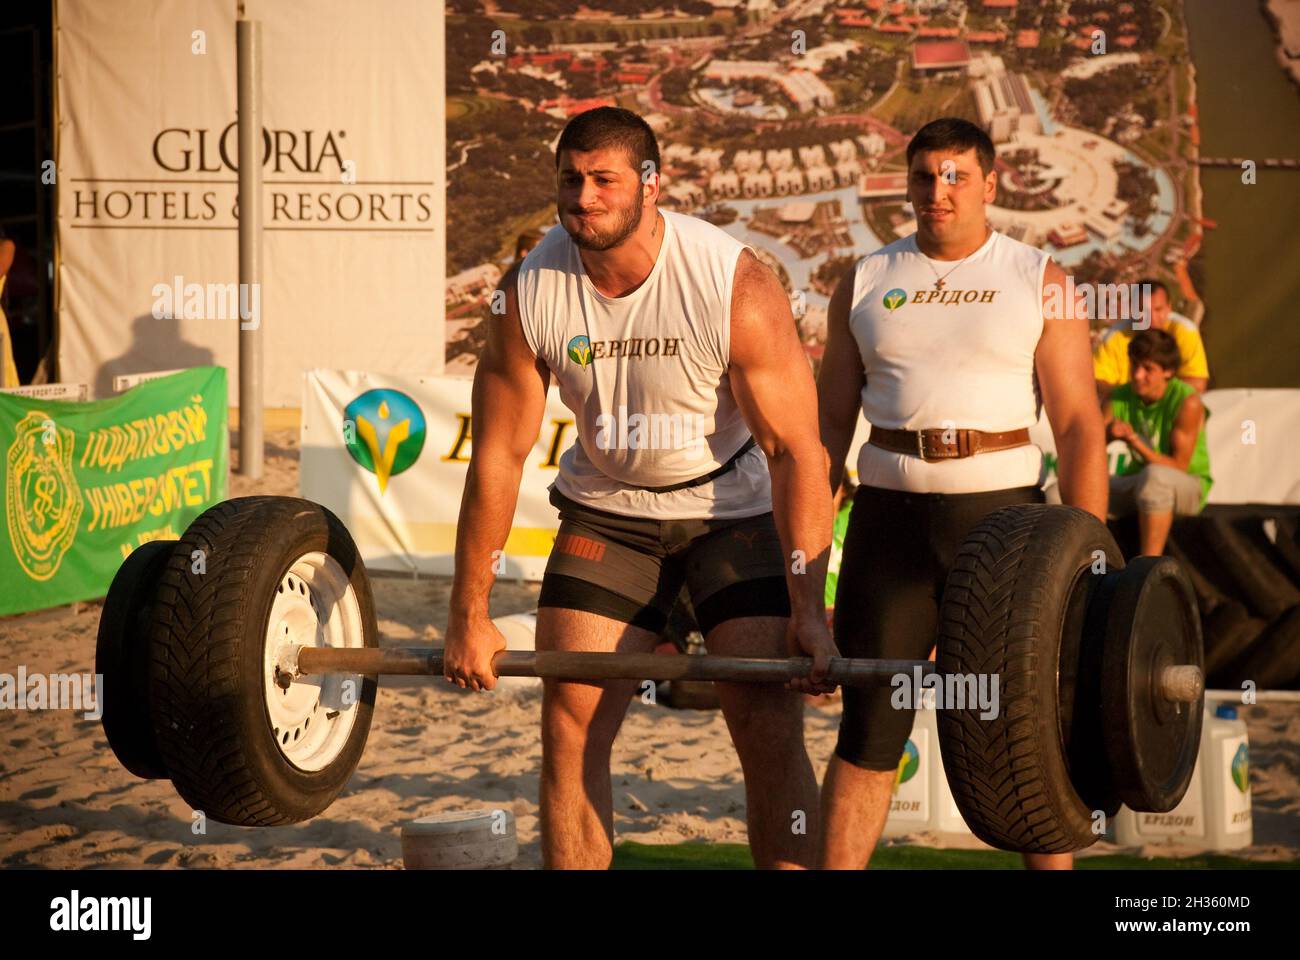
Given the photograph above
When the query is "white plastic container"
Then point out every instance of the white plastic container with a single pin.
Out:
(520, 631)
(922, 802)
(1215, 813)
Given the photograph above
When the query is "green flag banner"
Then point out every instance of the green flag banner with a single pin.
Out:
(86, 483)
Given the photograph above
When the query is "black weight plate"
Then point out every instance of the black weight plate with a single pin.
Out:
(1151, 742)
(122, 659)
(1079, 680)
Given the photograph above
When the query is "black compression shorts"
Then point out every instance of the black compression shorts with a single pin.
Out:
(632, 568)
(897, 552)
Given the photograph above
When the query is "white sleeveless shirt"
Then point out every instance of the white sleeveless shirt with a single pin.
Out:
(962, 357)
(646, 376)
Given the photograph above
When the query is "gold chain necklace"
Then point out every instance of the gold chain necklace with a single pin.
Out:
(938, 280)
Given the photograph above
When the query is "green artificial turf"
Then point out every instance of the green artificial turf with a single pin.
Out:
(630, 855)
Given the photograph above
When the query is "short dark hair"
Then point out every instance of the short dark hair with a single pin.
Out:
(953, 133)
(529, 238)
(606, 127)
(1157, 345)
(1156, 284)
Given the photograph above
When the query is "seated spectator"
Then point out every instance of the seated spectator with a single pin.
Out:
(1110, 359)
(1162, 419)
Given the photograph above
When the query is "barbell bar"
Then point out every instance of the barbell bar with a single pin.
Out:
(1181, 683)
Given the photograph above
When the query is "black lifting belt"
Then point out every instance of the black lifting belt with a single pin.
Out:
(744, 449)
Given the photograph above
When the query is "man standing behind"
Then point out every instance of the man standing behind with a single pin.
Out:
(936, 339)
(1162, 420)
(1110, 359)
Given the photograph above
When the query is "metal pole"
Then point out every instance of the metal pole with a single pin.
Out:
(248, 37)
(560, 665)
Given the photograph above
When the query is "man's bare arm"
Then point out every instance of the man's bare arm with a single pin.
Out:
(1186, 431)
(773, 385)
(1063, 361)
(509, 400)
(840, 382)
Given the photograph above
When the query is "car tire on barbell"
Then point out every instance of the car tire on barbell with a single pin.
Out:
(1014, 606)
(122, 660)
(248, 577)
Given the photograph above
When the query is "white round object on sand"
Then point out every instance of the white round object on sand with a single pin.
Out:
(520, 631)
(462, 840)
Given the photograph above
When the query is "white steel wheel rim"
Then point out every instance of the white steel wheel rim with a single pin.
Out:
(314, 606)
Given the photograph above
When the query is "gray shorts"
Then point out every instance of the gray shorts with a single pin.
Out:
(632, 569)
(1156, 489)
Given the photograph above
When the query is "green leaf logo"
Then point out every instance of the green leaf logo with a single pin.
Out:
(908, 764)
(1241, 769)
(580, 351)
(387, 435)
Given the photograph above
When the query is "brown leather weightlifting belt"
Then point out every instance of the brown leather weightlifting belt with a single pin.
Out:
(929, 444)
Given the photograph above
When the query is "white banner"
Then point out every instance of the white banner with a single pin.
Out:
(388, 455)
(353, 110)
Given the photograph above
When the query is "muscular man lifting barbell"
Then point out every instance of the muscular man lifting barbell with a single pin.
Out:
(676, 350)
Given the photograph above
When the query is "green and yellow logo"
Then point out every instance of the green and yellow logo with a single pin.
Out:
(384, 431)
(908, 764)
(1241, 769)
(580, 350)
(894, 299)
(42, 500)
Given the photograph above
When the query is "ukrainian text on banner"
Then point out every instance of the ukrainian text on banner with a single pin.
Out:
(389, 456)
(86, 483)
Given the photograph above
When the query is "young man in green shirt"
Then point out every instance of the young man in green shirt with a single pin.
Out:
(1162, 419)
